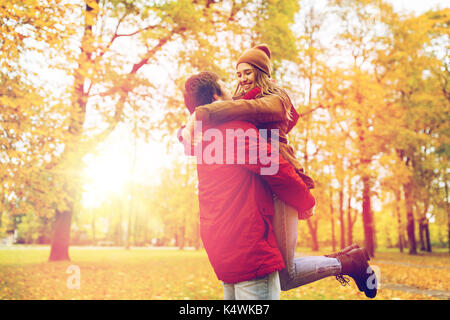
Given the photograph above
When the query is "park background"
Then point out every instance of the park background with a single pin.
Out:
(93, 176)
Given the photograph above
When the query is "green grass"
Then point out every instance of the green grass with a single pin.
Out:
(115, 273)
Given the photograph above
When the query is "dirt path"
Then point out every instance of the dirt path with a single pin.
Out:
(440, 294)
(412, 265)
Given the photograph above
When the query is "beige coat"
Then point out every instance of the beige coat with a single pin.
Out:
(266, 112)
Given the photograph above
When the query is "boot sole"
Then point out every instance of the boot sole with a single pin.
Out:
(362, 284)
(371, 293)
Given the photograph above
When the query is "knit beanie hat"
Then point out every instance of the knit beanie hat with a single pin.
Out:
(258, 56)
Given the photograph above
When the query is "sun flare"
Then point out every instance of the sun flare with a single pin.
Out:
(110, 171)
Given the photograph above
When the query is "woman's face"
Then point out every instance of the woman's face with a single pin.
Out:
(245, 76)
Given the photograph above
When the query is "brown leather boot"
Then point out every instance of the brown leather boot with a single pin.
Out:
(345, 250)
(354, 264)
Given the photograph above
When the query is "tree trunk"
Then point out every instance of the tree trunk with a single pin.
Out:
(349, 220)
(128, 237)
(137, 230)
(401, 239)
(93, 227)
(119, 234)
(341, 216)
(333, 238)
(410, 218)
(63, 219)
(182, 237)
(197, 239)
(427, 238)
(448, 214)
(313, 231)
(369, 230)
(315, 241)
(131, 211)
(422, 234)
(61, 237)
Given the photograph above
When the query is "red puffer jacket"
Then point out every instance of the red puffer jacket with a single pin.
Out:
(236, 204)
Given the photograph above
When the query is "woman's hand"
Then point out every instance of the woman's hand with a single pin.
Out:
(307, 214)
(188, 131)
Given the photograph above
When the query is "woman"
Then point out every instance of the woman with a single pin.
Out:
(274, 110)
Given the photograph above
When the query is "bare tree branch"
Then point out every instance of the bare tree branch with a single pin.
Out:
(124, 93)
(152, 52)
(118, 35)
(136, 32)
(320, 106)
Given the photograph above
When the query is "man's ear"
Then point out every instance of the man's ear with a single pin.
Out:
(216, 97)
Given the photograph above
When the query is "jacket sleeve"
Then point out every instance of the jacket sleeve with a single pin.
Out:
(257, 111)
(278, 173)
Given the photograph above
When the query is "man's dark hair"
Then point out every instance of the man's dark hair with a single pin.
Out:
(200, 89)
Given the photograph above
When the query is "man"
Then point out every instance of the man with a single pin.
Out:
(238, 171)
(236, 204)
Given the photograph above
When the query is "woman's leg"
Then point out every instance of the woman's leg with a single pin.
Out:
(298, 271)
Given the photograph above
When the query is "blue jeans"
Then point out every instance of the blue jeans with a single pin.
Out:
(298, 271)
(264, 288)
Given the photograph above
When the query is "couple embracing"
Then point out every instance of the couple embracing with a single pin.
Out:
(252, 190)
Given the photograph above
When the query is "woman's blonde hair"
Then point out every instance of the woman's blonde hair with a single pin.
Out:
(267, 87)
